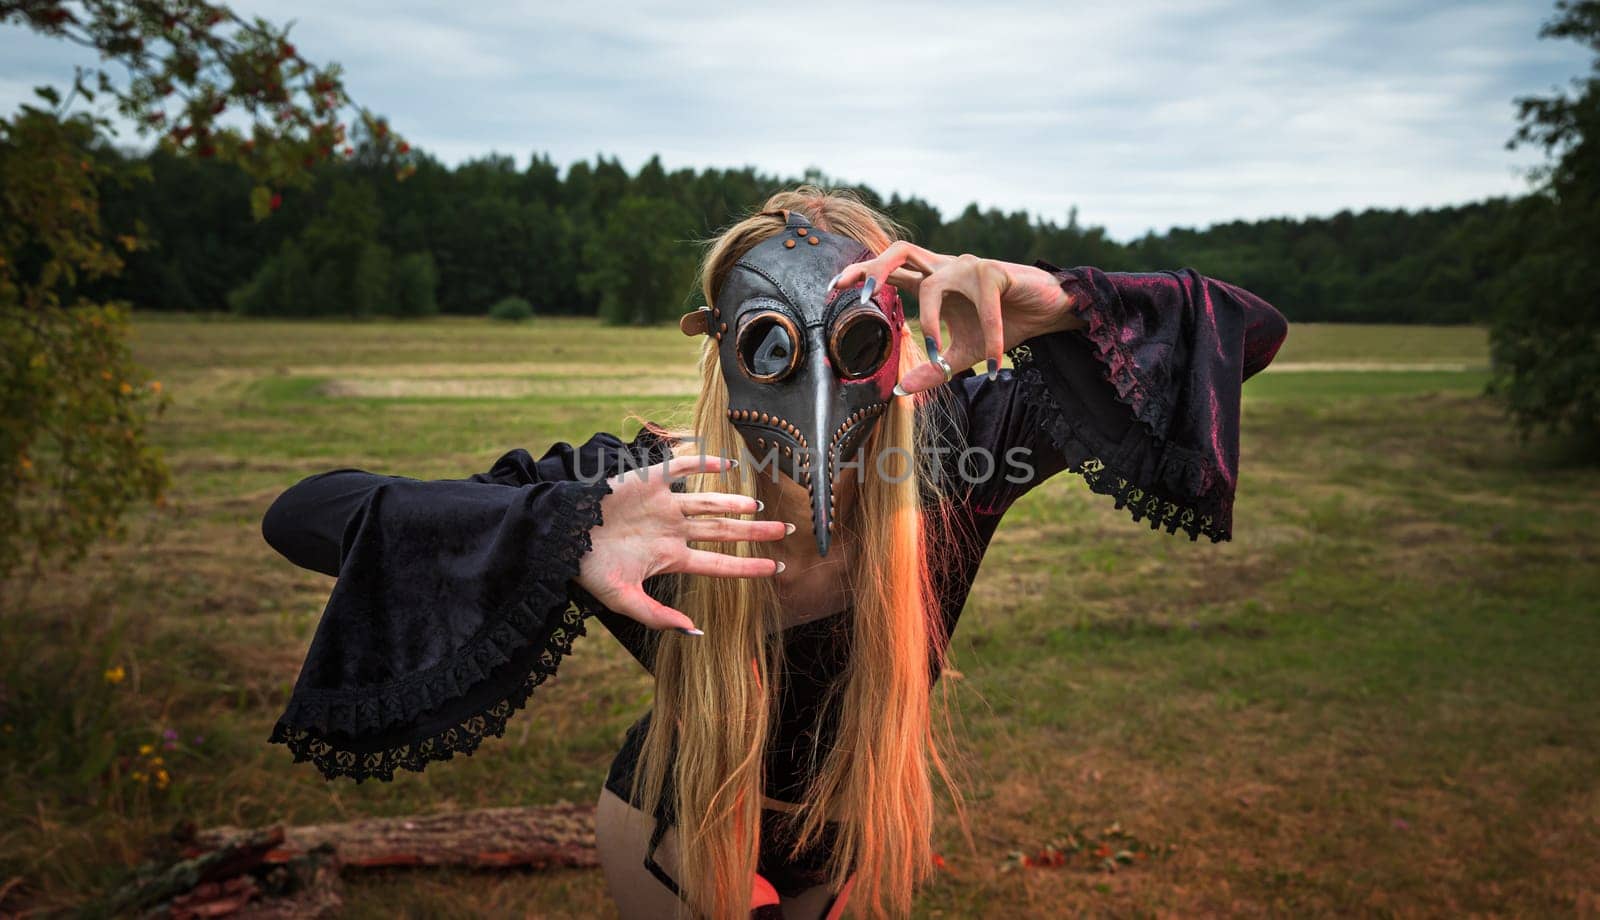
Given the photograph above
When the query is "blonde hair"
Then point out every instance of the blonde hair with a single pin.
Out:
(716, 695)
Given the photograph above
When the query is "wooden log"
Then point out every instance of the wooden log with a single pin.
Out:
(226, 860)
(215, 899)
(550, 836)
(305, 890)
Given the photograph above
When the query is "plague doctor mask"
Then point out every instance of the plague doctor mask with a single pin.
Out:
(809, 371)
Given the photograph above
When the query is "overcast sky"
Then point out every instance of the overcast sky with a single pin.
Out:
(1143, 114)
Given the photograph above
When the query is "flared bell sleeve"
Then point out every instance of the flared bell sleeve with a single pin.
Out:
(1144, 400)
(455, 599)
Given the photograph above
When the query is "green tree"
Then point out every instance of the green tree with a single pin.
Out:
(349, 278)
(74, 449)
(281, 287)
(369, 280)
(1545, 337)
(337, 266)
(641, 263)
(412, 285)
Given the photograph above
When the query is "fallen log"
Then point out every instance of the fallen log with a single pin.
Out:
(539, 837)
(224, 861)
(292, 873)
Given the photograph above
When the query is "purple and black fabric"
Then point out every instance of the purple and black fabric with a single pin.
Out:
(1144, 403)
(456, 598)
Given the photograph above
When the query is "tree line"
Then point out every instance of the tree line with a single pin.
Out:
(83, 236)
(596, 240)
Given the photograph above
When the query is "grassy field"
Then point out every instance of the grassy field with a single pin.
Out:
(1382, 698)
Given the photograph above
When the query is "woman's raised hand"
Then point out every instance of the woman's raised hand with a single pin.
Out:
(989, 305)
(646, 528)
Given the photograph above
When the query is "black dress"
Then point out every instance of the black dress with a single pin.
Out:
(455, 598)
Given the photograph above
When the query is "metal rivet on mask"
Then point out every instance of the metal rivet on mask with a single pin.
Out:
(813, 241)
(801, 231)
(788, 244)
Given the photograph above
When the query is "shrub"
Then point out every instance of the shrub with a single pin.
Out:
(512, 310)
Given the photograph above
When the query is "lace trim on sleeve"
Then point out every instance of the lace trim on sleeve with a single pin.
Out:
(1149, 405)
(1204, 511)
(315, 722)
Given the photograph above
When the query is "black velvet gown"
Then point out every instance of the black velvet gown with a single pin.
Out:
(456, 598)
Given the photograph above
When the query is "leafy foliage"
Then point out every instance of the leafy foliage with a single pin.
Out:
(337, 266)
(638, 268)
(188, 63)
(1546, 332)
(74, 406)
(74, 453)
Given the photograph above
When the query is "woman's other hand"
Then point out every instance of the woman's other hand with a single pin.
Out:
(989, 305)
(646, 529)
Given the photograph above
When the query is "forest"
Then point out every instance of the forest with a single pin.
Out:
(493, 235)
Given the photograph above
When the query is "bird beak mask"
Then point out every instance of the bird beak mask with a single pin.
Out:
(810, 371)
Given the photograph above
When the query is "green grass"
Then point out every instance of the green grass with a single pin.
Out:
(1383, 344)
(1380, 698)
(1343, 385)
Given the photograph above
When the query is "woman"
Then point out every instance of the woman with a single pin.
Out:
(786, 764)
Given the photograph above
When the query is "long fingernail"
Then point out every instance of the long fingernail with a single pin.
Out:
(761, 505)
(691, 632)
(994, 368)
(932, 346)
(900, 390)
(868, 288)
(781, 567)
(834, 280)
(788, 528)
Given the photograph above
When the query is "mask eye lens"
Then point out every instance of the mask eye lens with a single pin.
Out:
(768, 347)
(860, 345)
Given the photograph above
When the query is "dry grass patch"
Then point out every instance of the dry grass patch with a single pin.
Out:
(503, 388)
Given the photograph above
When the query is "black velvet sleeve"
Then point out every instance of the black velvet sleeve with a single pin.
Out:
(455, 599)
(1144, 402)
